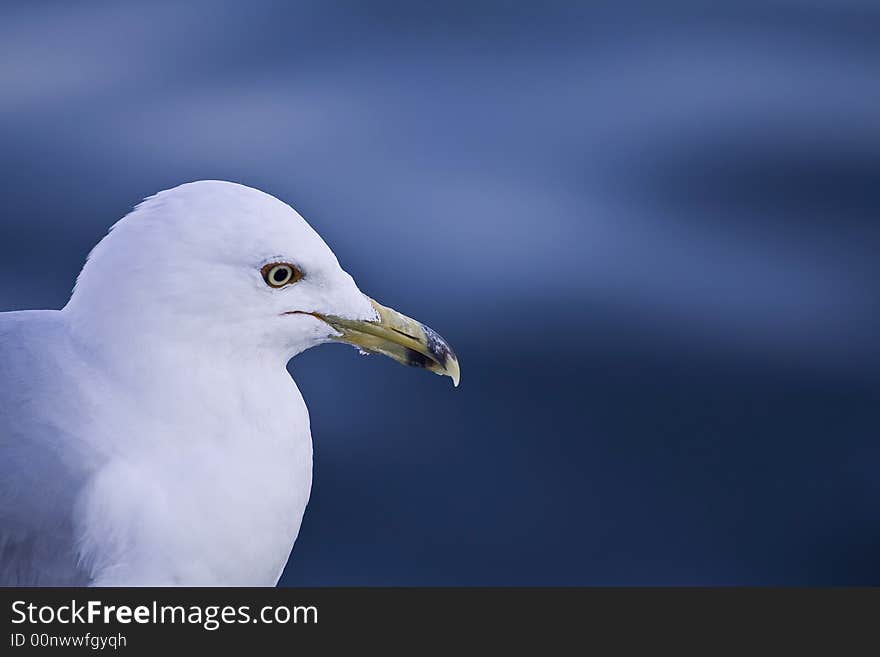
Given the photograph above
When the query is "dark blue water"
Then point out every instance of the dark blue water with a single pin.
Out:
(650, 231)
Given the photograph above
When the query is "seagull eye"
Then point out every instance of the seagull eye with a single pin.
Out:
(279, 274)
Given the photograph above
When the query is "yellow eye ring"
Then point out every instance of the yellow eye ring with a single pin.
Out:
(279, 274)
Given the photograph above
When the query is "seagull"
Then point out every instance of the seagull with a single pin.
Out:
(150, 434)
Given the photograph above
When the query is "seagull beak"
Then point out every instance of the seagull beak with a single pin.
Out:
(397, 336)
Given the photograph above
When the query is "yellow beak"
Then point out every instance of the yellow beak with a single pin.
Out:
(399, 337)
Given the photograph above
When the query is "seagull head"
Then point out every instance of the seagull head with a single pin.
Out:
(217, 263)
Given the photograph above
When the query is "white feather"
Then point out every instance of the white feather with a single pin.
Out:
(149, 431)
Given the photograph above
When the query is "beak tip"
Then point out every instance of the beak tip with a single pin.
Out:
(453, 371)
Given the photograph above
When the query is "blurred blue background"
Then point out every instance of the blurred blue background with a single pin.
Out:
(650, 230)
